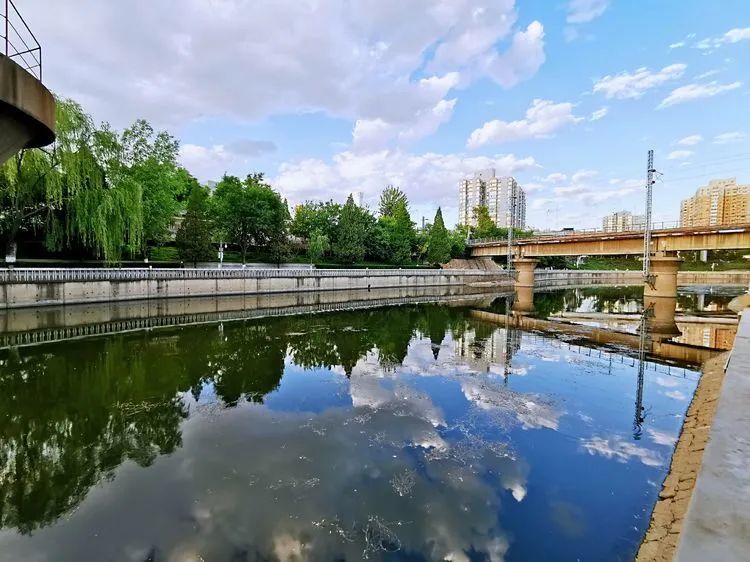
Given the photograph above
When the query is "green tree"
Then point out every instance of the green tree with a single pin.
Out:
(194, 236)
(485, 225)
(438, 243)
(78, 191)
(390, 199)
(250, 213)
(401, 234)
(351, 233)
(151, 160)
(317, 245)
(458, 241)
(315, 215)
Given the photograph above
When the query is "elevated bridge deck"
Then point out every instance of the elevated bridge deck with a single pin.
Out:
(734, 237)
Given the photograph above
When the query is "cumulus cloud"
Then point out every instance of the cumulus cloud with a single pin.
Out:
(679, 154)
(598, 114)
(582, 11)
(690, 140)
(630, 85)
(728, 138)
(429, 178)
(542, 119)
(693, 92)
(677, 45)
(218, 59)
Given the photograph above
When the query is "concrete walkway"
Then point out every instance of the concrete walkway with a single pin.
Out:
(717, 524)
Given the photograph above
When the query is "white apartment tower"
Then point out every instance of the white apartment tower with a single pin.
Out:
(623, 221)
(495, 193)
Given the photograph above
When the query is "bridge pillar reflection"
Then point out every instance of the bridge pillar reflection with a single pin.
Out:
(660, 294)
(524, 285)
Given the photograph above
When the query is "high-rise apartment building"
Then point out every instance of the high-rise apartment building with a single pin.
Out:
(722, 201)
(623, 221)
(495, 193)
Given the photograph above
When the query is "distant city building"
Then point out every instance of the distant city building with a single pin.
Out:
(622, 221)
(357, 198)
(722, 201)
(495, 193)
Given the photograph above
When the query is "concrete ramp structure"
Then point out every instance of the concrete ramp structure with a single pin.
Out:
(27, 108)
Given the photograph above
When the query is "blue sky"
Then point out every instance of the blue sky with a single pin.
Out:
(330, 96)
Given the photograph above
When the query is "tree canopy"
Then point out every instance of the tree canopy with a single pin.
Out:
(438, 244)
(193, 238)
(390, 198)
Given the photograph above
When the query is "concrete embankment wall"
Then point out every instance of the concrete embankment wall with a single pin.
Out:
(49, 287)
(551, 278)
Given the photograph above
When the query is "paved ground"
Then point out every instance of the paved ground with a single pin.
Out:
(660, 542)
(717, 524)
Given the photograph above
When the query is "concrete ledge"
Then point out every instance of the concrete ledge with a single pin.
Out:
(717, 524)
(27, 110)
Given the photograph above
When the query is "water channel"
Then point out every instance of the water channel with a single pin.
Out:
(432, 431)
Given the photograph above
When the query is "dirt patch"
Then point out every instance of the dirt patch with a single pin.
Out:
(660, 542)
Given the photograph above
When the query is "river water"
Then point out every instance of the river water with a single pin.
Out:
(414, 432)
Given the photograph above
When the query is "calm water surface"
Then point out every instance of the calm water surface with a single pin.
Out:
(405, 433)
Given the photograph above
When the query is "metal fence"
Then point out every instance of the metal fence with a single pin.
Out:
(18, 41)
(59, 275)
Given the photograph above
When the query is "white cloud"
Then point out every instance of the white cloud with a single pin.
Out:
(555, 177)
(696, 91)
(634, 84)
(676, 395)
(218, 59)
(728, 138)
(206, 162)
(679, 154)
(691, 140)
(736, 35)
(429, 179)
(582, 11)
(583, 175)
(520, 62)
(732, 36)
(662, 437)
(707, 74)
(598, 114)
(542, 119)
(677, 45)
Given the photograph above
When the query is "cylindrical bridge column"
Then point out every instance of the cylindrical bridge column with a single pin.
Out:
(525, 267)
(664, 277)
(660, 294)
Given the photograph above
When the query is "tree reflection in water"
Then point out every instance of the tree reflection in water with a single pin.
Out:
(73, 412)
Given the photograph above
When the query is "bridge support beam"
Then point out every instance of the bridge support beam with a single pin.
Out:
(661, 297)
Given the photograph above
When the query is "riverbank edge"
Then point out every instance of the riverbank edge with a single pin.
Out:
(663, 534)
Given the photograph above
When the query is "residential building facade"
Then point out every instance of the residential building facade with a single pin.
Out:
(623, 221)
(495, 193)
(722, 201)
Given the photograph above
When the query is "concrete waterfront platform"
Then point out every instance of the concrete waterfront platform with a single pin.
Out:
(717, 523)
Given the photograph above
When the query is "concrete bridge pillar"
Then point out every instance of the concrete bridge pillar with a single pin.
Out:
(661, 297)
(524, 301)
(525, 268)
(664, 272)
(524, 285)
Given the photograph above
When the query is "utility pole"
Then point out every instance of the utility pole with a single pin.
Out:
(647, 230)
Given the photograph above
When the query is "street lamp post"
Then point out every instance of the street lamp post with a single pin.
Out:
(221, 253)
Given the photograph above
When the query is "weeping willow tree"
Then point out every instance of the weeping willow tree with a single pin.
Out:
(78, 191)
